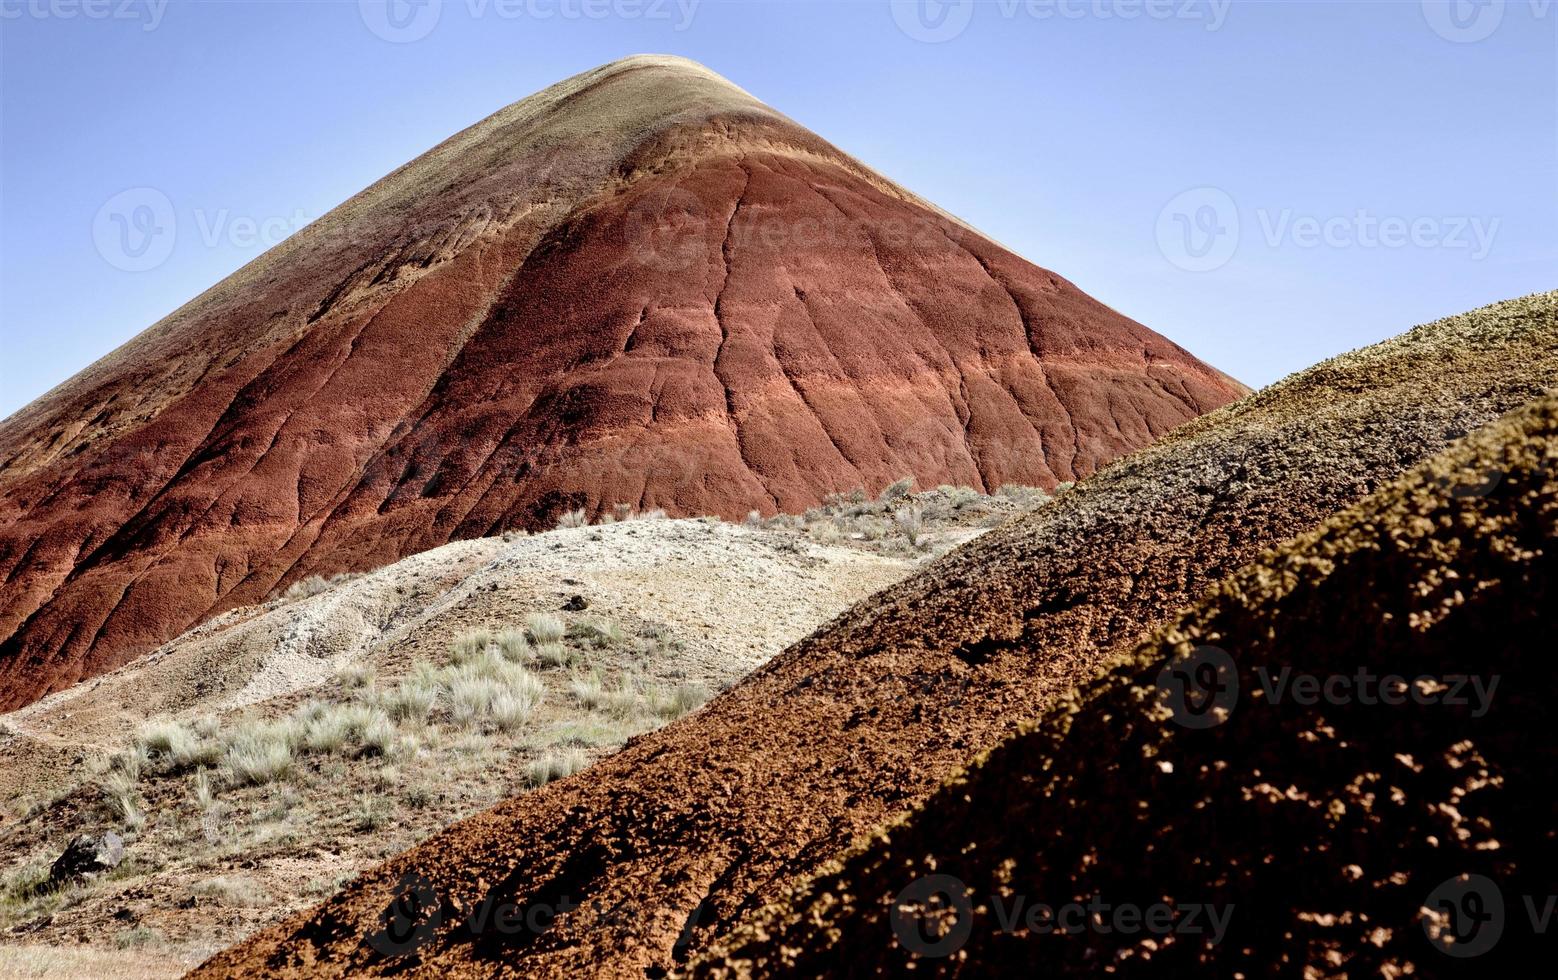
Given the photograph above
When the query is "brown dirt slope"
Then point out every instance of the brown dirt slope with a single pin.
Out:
(1326, 829)
(639, 286)
(672, 841)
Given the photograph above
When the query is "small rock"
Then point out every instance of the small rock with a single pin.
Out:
(87, 855)
(576, 603)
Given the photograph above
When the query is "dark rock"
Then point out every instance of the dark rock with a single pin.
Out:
(87, 855)
(576, 604)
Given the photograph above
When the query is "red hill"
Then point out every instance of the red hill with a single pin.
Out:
(639, 286)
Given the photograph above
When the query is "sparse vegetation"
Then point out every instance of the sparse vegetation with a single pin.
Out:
(353, 676)
(588, 689)
(1025, 495)
(413, 699)
(122, 793)
(262, 755)
(372, 811)
(555, 765)
(900, 522)
(573, 518)
(682, 699)
(898, 490)
(202, 791)
(138, 937)
(232, 892)
(555, 655)
(385, 752)
(511, 711)
(313, 585)
(597, 634)
(544, 628)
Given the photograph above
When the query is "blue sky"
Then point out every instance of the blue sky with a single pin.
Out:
(1267, 183)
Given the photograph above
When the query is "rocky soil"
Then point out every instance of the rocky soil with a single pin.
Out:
(644, 860)
(1398, 824)
(654, 615)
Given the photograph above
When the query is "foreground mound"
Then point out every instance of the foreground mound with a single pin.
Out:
(661, 847)
(387, 719)
(640, 286)
(1338, 763)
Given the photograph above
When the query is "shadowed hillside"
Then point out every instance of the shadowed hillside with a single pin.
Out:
(1391, 816)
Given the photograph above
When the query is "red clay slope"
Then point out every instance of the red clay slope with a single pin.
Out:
(640, 285)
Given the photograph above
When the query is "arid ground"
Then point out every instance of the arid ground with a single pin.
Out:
(686, 833)
(674, 611)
